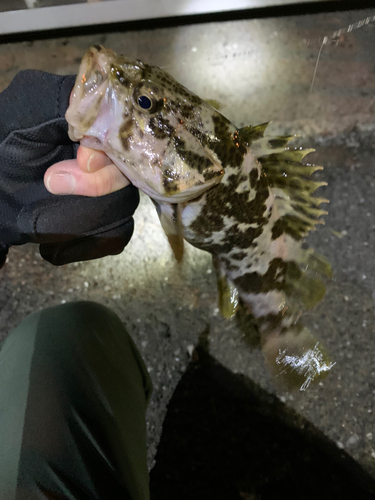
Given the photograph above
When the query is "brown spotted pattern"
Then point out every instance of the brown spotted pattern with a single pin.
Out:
(244, 198)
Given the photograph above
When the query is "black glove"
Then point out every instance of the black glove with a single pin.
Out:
(33, 136)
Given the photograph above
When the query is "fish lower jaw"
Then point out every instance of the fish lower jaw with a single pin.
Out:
(89, 141)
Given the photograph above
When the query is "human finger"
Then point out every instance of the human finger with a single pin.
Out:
(91, 160)
(67, 177)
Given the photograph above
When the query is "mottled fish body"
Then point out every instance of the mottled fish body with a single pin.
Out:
(245, 198)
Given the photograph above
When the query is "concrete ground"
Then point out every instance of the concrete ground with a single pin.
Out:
(259, 70)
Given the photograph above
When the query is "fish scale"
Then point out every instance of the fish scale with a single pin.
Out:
(242, 196)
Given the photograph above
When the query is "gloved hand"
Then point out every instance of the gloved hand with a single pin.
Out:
(33, 136)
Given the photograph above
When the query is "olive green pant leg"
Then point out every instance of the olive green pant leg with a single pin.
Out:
(73, 397)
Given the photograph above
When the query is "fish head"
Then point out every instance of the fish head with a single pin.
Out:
(158, 133)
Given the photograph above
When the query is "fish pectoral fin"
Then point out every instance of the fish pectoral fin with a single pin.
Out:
(170, 220)
(228, 293)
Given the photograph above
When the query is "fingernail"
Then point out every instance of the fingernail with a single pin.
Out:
(90, 162)
(96, 161)
(61, 183)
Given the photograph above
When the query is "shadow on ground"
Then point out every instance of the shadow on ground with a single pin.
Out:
(226, 438)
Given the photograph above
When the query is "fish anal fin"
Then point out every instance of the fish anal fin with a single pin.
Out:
(228, 293)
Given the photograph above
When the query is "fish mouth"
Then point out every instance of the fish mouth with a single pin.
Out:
(89, 91)
(89, 141)
(74, 134)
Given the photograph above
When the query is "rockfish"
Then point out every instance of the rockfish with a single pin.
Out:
(245, 198)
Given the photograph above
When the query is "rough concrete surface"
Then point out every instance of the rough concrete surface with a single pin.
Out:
(259, 70)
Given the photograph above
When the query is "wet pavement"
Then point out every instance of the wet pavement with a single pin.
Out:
(258, 70)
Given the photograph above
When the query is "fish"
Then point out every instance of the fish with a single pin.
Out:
(244, 197)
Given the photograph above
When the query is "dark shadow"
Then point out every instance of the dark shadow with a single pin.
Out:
(224, 438)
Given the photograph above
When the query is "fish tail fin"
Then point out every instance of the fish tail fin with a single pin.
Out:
(297, 358)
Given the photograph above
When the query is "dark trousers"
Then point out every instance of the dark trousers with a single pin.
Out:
(73, 397)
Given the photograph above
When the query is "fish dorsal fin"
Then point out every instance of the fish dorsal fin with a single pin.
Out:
(289, 181)
(170, 219)
(251, 133)
(294, 212)
(214, 103)
(294, 192)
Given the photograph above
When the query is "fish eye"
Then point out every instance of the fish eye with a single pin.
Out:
(144, 102)
(147, 98)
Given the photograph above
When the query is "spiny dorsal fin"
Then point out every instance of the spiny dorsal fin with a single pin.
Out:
(251, 133)
(214, 103)
(290, 182)
(297, 212)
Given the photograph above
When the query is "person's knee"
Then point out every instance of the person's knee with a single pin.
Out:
(80, 317)
(90, 311)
